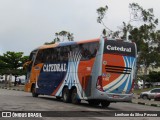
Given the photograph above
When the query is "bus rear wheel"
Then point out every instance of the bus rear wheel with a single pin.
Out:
(33, 90)
(66, 95)
(105, 104)
(74, 97)
(58, 98)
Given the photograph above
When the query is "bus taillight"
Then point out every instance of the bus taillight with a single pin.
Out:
(99, 83)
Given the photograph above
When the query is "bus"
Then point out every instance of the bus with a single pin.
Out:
(99, 71)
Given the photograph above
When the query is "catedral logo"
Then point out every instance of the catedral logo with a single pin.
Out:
(54, 67)
(115, 48)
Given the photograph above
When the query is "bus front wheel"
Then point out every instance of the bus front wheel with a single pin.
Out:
(33, 90)
(105, 104)
(66, 95)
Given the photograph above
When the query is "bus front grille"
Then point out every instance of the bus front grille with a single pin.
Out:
(118, 69)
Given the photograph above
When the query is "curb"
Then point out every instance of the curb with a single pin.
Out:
(142, 103)
(11, 88)
(155, 105)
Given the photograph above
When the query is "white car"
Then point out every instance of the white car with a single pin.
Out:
(150, 94)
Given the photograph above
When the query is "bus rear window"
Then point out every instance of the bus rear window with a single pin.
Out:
(120, 48)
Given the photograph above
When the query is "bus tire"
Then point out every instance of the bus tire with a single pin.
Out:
(33, 90)
(93, 102)
(145, 97)
(66, 95)
(105, 104)
(58, 97)
(74, 97)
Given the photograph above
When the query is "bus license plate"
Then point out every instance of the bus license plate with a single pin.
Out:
(115, 96)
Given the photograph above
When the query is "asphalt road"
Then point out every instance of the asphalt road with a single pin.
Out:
(21, 101)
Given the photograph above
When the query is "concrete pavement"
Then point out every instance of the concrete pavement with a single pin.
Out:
(135, 99)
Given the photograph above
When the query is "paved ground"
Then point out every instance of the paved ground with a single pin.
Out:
(13, 100)
(134, 100)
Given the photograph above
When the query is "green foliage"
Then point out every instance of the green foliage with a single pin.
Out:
(125, 29)
(145, 35)
(153, 77)
(101, 13)
(12, 62)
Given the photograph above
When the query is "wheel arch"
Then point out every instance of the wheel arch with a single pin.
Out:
(73, 87)
(145, 95)
(32, 86)
(65, 86)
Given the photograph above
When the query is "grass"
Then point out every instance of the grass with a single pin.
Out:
(143, 90)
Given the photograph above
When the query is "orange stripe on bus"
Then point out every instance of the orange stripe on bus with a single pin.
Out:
(86, 41)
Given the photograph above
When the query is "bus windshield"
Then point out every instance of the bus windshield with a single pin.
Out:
(119, 47)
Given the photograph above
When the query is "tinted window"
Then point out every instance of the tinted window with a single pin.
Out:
(64, 53)
(158, 90)
(88, 50)
(119, 47)
(54, 55)
(74, 52)
(84, 51)
(47, 55)
(93, 48)
(39, 57)
(32, 55)
(155, 91)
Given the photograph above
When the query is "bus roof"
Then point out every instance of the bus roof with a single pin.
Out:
(67, 43)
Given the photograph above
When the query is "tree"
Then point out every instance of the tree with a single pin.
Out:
(101, 11)
(11, 63)
(154, 76)
(145, 35)
(62, 36)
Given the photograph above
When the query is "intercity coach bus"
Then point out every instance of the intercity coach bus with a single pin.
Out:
(99, 71)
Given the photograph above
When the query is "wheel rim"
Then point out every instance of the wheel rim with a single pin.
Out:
(144, 97)
(65, 95)
(74, 97)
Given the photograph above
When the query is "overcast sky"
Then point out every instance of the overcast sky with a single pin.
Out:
(27, 24)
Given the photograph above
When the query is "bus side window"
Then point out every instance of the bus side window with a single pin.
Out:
(84, 49)
(64, 53)
(74, 49)
(54, 55)
(93, 48)
(39, 57)
(49, 55)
